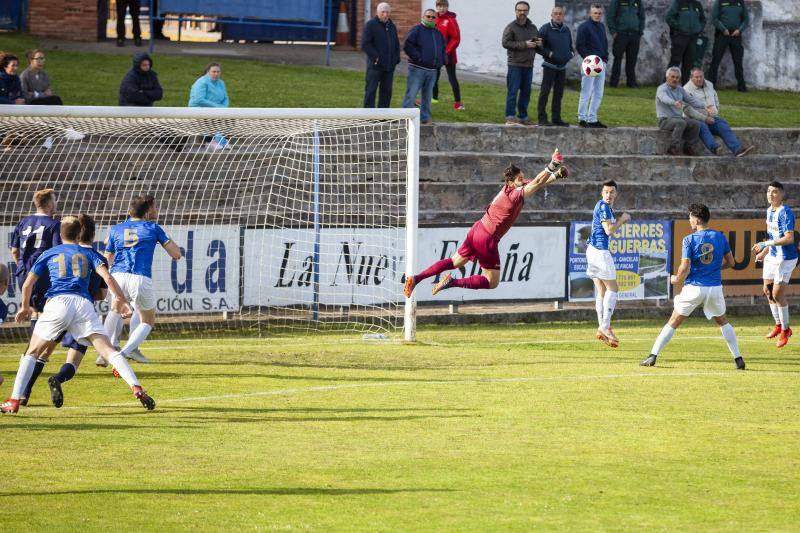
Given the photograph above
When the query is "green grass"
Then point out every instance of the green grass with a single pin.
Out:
(545, 429)
(93, 79)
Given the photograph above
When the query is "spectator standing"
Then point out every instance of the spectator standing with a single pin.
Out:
(10, 84)
(708, 115)
(686, 20)
(626, 24)
(424, 46)
(730, 18)
(591, 40)
(520, 39)
(447, 26)
(134, 6)
(379, 41)
(557, 51)
(35, 83)
(671, 98)
(209, 90)
(140, 86)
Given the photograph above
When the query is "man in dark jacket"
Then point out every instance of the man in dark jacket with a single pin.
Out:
(730, 18)
(379, 41)
(557, 51)
(591, 40)
(626, 23)
(425, 48)
(686, 20)
(140, 85)
(520, 39)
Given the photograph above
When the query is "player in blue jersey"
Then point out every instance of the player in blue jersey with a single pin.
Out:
(69, 308)
(129, 250)
(706, 253)
(5, 280)
(779, 254)
(599, 263)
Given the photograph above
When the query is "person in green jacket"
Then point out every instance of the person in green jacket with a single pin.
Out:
(686, 20)
(625, 21)
(730, 18)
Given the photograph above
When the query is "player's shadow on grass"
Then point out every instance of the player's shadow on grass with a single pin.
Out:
(276, 491)
(146, 377)
(37, 426)
(279, 419)
(354, 366)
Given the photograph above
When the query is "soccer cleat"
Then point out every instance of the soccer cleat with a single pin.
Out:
(115, 373)
(650, 361)
(784, 338)
(434, 100)
(739, 363)
(601, 336)
(409, 286)
(100, 361)
(458, 106)
(9, 407)
(137, 356)
(142, 396)
(443, 284)
(56, 394)
(775, 332)
(610, 339)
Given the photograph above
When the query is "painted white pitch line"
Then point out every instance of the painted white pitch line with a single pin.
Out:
(401, 383)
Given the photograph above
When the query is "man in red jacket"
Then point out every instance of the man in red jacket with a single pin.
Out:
(447, 25)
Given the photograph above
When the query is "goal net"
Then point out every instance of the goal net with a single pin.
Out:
(288, 219)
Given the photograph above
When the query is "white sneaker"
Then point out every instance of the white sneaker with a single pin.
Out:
(137, 356)
(47, 144)
(72, 135)
(100, 361)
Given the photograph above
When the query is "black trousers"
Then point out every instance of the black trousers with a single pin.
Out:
(378, 80)
(551, 78)
(158, 25)
(451, 77)
(722, 43)
(134, 6)
(682, 54)
(626, 44)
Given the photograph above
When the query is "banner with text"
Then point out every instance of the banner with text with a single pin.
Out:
(640, 249)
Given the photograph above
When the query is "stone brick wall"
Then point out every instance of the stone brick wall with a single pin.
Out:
(63, 19)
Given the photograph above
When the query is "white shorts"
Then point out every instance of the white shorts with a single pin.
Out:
(711, 298)
(778, 270)
(71, 313)
(137, 289)
(600, 264)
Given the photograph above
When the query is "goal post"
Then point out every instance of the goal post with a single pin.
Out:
(298, 219)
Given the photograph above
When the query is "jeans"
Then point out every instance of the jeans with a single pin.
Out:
(518, 80)
(722, 43)
(377, 77)
(719, 128)
(626, 44)
(551, 78)
(420, 80)
(591, 96)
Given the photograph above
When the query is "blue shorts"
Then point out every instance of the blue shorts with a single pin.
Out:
(69, 342)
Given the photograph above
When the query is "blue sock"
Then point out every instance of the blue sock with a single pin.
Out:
(37, 369)
(33, 325)
(66, 373)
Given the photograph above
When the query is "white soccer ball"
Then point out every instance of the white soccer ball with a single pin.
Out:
(592, 66)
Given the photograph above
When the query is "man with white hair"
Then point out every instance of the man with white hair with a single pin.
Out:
(671, 98)
(379, 41)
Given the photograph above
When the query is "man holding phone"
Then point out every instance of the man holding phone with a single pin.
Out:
(521, 40)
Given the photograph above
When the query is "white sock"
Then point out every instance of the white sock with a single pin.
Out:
(136, 338)
(113, 327)
(125, 371)
(135, 321)
(784, 314)
(598, 306)
(775, 313)
(23, 376)
(730, 337)
(609, 303)
(663, 338)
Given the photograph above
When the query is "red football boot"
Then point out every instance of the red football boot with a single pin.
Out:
(784, 337)
(409, 286)
(9, 407)
(775, 332)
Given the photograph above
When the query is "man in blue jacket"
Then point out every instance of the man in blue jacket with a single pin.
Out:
(592, 40)
(424, 46)
(557, 51)
(379, 41)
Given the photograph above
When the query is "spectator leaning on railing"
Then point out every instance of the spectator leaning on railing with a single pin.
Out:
(671, 98)
(35, 83)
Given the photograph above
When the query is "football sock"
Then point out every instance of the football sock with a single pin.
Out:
(33, 325)
(113, 325)
(125, 371)
(609, 303)
(775, 308)
(598, 306)
(37, 370)
(135, 321)
(784, 314)
(136, 338)
(473, 282)
(437, 268)
(663, 338)
(23, 376)
(730, 338)
(66, 373)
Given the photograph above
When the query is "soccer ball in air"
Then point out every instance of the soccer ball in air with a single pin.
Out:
(592, 66)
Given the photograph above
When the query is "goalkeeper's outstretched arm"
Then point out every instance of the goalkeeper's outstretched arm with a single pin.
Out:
(553, 171)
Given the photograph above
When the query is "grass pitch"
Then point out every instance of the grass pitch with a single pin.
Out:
(473, 428)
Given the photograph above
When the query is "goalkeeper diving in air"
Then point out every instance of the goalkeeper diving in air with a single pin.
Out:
(483, 240)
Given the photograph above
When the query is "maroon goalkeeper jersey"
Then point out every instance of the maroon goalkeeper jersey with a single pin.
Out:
(504, 210)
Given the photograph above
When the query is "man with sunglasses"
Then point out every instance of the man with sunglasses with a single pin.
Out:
(425, 48)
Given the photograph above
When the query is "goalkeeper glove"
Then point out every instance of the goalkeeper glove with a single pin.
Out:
(555, 162)
(561, 173)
